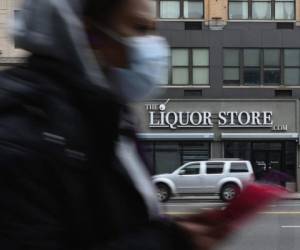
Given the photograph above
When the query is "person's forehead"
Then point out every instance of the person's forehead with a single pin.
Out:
(139, 7)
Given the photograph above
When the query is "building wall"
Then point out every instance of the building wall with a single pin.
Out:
(234, 35)
(216, 9)
(9, 54)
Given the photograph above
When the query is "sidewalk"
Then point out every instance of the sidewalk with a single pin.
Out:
(293, 196)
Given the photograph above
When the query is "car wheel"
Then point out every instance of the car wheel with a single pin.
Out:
(229, 192)
(163, 192)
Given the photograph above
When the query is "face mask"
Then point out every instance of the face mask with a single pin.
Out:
(148, 58)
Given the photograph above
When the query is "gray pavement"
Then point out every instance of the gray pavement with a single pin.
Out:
(275, 228)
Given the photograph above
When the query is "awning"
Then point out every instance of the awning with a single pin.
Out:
(260, 136)
(177, 136)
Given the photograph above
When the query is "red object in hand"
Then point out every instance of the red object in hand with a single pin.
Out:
(252, 199)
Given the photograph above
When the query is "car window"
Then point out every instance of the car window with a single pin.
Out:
(239, 167)
(214, 167)
(191, 170)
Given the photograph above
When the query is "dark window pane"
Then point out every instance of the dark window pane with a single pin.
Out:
(272, 76)
(231, 57)
(252, 76)
(292, 76)
(241, 150)
(267, 146)
(291, 159)
(271, 57)
(291, 57)
(251, 57)
(238, 168)
(214, 167)
(232, 75)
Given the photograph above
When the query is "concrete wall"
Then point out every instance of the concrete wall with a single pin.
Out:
(9, 53)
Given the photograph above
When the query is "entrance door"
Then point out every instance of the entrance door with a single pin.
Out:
(264, 161)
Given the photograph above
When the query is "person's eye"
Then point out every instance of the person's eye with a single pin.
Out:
(142, 29)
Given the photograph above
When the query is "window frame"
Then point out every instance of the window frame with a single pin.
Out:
(262, 67)
(190, 67)
(273, 10)
(181, 10)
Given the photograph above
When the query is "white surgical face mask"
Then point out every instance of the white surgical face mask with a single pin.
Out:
(148, 58)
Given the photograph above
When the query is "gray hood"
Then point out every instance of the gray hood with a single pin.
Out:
(55, 28)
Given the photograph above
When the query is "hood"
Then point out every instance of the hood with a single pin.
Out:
(54, 28)
(161, 176)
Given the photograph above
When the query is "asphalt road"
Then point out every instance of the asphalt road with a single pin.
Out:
(275, 228)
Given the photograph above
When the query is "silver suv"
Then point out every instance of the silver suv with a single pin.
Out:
(224, 177)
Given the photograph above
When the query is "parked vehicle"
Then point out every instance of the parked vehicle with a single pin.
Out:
(223, 177)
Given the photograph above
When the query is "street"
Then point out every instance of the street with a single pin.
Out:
(275, 228)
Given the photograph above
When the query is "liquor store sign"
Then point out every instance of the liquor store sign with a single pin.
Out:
(159, 116)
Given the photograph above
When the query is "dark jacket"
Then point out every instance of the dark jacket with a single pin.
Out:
(60, 185)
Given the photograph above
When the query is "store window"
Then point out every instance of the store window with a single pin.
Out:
(167, 156)
(266, 67)
(262, 9)
(277, 157)
(190, 66)
(178, 9)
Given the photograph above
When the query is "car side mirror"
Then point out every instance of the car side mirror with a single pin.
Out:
(182, 172)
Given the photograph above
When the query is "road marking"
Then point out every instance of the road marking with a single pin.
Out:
(282, 212)
(290, 226)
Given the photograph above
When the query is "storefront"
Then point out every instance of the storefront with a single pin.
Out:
(266, 132)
